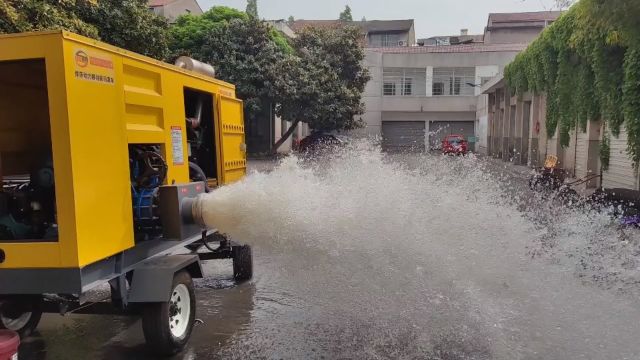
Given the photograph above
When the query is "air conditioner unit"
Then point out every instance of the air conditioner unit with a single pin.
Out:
(402, 43)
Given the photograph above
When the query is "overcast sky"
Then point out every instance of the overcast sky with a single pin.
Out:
(433, 17)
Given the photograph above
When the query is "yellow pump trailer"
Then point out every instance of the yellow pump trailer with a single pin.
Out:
(103, 154)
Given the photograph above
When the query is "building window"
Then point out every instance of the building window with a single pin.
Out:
(404, 82)
(438, 88)
(384, 40)
(408, 86)
(389, 89)
(454, 81)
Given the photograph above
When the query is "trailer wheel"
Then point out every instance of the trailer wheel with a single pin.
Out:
(167, 326)
(21, 314)
(242, 263)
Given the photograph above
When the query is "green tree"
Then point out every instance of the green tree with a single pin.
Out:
(129, 24)
(252, 8)
(244, 50)
(327, 80)
(33, 15)
(125, 23)
(319, 80)
(587, 64)
(291, 20)
(346, 14)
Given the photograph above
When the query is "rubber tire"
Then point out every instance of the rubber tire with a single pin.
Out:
(242, 263)
(36, 315)
(155, 321)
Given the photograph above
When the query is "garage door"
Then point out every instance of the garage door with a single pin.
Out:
(398, 136)
(582, 153)
(439, 129)
(620, 173)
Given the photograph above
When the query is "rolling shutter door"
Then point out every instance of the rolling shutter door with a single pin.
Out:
(403, 136)
(620, 173)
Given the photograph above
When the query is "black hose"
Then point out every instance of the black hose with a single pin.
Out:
(196, 174)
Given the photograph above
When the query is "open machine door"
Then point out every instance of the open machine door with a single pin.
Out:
(232, 138)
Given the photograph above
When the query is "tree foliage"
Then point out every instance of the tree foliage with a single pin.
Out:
(252, 8)
(328, 81)
(125, 23)
(345, 15)
(588, 64)
(243, 49)
(318, 78)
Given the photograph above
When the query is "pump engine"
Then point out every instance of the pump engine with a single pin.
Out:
(27, 205)
(148, 172)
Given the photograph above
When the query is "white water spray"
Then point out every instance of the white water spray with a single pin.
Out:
(440, 257)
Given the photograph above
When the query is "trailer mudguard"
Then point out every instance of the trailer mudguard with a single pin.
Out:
(153, 278)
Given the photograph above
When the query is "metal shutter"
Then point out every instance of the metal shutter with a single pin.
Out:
(439, 129)
(403, 136)
(621, 173)
(582, 154)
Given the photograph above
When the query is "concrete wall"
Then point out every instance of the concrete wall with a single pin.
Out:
(482, 124)
(372, 96)
(433, 103)
(173, 10)
(485, 71)
(512, 35)
(411, 36)
(428, 116)
(423, 60)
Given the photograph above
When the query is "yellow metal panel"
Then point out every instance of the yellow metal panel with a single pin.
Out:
(232, 138)
(48, 46)
(99, 152)
(31, 255)
(101, 99)
(144, 103)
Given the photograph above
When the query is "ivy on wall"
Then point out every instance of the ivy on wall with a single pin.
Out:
(588, 65)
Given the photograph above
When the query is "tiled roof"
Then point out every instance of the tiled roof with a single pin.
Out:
(299, 25)
(524, 17)
(467, 48)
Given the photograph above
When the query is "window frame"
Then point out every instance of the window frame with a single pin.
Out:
(407, 81)
(454, 81)
(392, 86)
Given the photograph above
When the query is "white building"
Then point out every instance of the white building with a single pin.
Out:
(171, 9)
(419, 94)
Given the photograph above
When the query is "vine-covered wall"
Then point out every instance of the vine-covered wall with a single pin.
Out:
(588, 64)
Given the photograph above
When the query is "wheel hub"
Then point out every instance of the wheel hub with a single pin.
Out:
(179, 310)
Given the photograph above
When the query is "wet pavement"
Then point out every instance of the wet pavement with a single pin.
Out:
(432, 266)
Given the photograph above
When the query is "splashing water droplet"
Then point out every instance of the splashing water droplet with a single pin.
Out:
(456, 247)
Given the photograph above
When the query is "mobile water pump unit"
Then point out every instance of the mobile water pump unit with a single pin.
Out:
(104, 159)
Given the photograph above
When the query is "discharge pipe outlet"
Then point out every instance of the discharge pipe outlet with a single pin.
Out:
(185, 62)
(191, 210)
